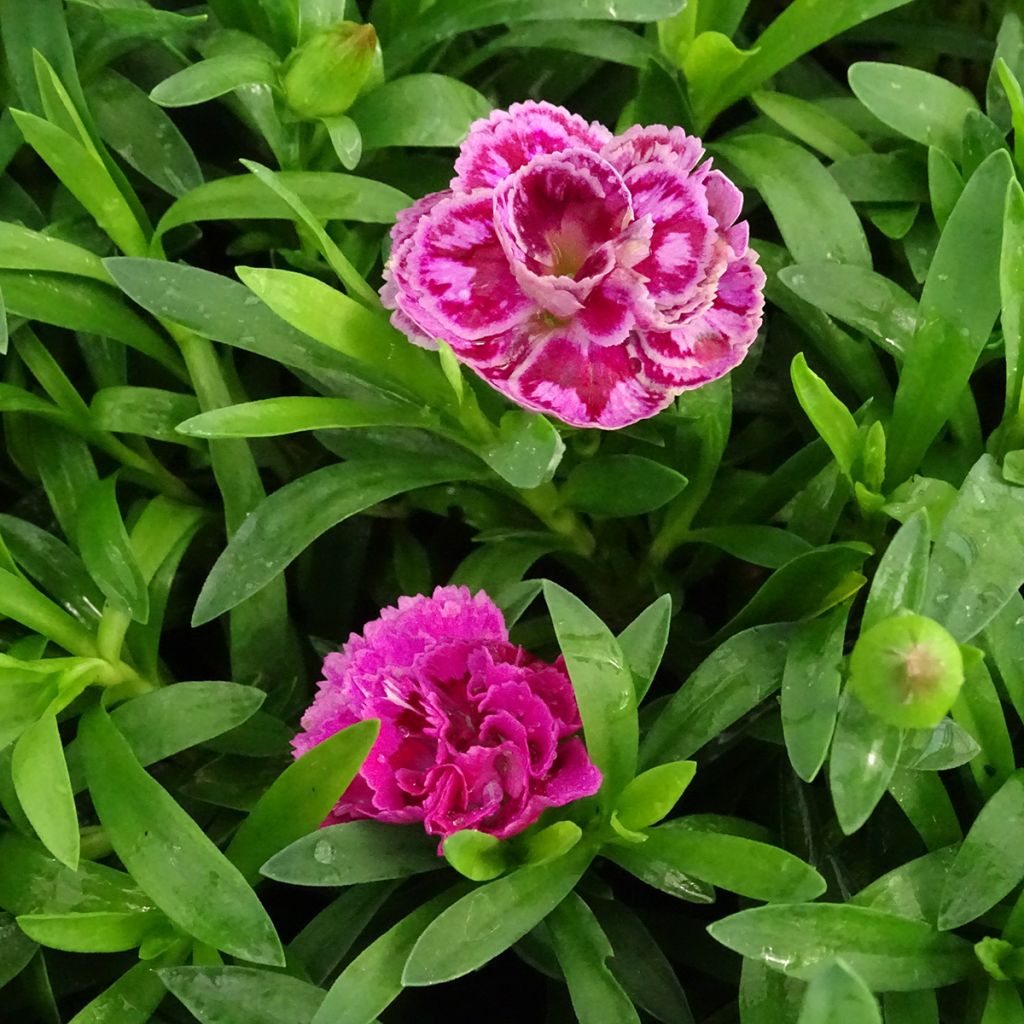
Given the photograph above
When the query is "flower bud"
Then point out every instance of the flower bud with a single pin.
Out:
(908, 670)
(326, 73)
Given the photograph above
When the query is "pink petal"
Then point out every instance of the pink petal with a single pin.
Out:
(584, 386)
(709, 345)
(502, 143)
(459, 276)
(725, 200)
(396, 281)
(685, 234)
(654, 143)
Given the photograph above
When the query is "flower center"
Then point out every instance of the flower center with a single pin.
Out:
(569, 250)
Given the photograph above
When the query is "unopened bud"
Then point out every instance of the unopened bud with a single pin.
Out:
(908, 670)
(326, 73)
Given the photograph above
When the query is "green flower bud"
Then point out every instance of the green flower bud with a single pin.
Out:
(908, 670)
(323, 77)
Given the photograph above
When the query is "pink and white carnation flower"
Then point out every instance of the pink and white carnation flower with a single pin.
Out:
(475, 732)
(583, 274)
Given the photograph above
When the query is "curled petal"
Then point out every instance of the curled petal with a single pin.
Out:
(498, 145)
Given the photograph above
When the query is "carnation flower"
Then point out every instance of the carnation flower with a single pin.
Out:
(580, 273)
(475, 732)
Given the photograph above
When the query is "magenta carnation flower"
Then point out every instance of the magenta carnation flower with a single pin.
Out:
(580, 273)
(475, 732)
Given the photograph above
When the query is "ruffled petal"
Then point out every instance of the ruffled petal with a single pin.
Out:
(459, 276)
(584, 386)
(685, 234)
(498, 145)
(654, 143)
(709, 345)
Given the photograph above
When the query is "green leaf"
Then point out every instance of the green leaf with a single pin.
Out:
(990, 863)
(767, 546)
(491, 918)
(831, 419)
(142, 134)
(817, 222)
(603, 686)
(32, 882)
(913, 890)
(326, 940)
(811, 124)
(208, 79)
(437, 24)
(345, 325)
(476, 855)
(939, 749)
(945, 185)
(44, 789)
(643, 643)
(16, 949)
(653, 793)
(346, 140)
(802, 25)
(243, 995)
(641, 967)
(329, 196)
(923, 107)
(223, 310)
(768, 997)
(859, 297)
(977, 562)
(83, 305)
(706, 62)
(301, 797)
(1011, 286)
(418, 110)
(527, 450)
(167, 853)
(837, 995)
(979, 711)
(107, 552)
(865, 751)
(21, 601)
(810, 690)
(621, 485)
(86, 177)
(889, 953)
(24, 249)
(282, 526)
(372, 981)
(752, 869)
(583, 950)
(104, 931)
(134, 997)
(955, 323)
(808, 585)
(148, 412)
(731, 681)
(354, 853)
(328, 248)
(901, 578)
(612, 43)
(161, 724)
(273, 417)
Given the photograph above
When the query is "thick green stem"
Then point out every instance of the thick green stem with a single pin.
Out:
(545, 502)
